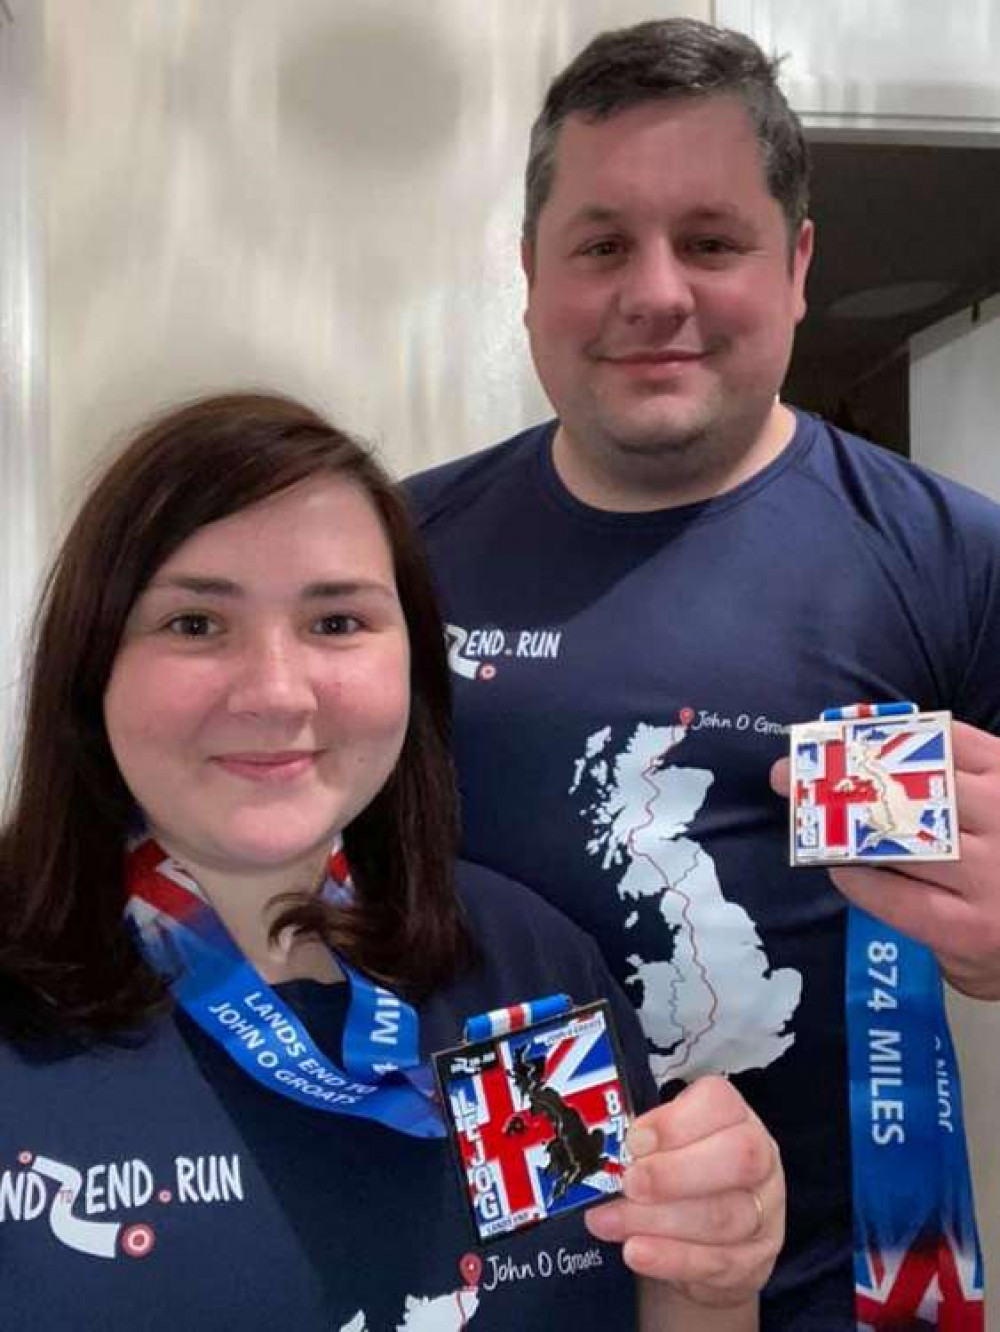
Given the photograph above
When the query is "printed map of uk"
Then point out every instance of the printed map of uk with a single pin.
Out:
(711, 1002)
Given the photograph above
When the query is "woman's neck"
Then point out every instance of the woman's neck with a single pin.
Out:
(249, 903)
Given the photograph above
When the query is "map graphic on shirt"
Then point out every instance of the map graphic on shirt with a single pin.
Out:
(710, 1001)
(446, 1313)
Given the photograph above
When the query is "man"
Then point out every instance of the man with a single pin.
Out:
(642, 595)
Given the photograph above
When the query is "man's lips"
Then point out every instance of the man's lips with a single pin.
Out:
(655, 356)
(268, 766)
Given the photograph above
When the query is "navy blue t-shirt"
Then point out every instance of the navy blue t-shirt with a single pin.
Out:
(155, 1187)
(622, 685)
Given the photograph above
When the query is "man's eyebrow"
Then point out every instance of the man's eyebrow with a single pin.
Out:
(601, 213)
(588, 213)
(324, 589)
(723, 212)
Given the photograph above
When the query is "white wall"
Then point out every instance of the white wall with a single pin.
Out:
(955, 398)
(23, 451)
(323, 197)
(976, 1029)
(955, 429)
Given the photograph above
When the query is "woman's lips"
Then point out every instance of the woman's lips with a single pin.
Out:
(267, 767)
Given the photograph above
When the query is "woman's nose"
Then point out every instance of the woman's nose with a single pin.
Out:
(272, 679)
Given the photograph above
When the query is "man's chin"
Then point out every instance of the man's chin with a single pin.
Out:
(655, 427)
(657, 438)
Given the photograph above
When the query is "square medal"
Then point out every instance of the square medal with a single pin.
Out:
(872, 790)
(538, 1119)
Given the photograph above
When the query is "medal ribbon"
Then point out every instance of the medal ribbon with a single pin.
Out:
(515, 1017)
(182, 937)
(916, 1251)
(917, 1260)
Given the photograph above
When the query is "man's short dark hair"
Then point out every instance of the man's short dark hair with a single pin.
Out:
(661, 60)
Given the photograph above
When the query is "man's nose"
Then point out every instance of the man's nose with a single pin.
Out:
(272, 677)
(656, 285)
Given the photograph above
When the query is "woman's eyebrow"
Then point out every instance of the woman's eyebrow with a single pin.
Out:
(347, 587)
(204, 585)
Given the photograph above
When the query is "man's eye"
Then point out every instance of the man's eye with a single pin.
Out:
(601, 249)
(336, 625)
(712, 245)
(191, 626)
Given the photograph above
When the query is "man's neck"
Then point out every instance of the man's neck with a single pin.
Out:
(643, 484)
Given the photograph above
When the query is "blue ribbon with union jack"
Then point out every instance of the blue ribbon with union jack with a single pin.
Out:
(515, 1017)
(183, 938)
(917, 1260)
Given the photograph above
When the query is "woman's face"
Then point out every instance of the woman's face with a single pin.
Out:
(260, 693)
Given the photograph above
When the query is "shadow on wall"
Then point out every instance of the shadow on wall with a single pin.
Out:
(377, 91)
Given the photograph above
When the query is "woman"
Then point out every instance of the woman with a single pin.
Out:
(238, 659)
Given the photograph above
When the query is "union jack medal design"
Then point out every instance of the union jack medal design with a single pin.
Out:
(873, 783)
(538, 1114)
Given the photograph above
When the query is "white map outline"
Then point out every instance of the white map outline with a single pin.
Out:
(443, 1313)
(715, 1004)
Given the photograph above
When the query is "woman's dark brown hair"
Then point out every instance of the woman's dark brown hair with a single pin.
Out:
(66, 957)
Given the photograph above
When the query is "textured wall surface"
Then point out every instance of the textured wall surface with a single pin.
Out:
(323, 197)
(24, 479)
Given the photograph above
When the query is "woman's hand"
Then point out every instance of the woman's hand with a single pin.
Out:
(704, 1200)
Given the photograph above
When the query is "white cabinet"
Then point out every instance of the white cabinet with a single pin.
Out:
(914, 69)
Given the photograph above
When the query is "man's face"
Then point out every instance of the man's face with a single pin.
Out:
(662, 299)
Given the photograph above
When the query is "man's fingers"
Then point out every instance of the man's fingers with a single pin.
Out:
(975, 752)
(781, 777)
(976, 795)
(910, 903)
(945, 921)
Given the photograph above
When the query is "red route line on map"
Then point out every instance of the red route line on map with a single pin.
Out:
(689, 1041)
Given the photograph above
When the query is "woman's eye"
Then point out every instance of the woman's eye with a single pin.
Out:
(191, 626)
(335, 625)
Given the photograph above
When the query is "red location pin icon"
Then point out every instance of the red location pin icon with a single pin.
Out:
(686, 716)
(471, 1267)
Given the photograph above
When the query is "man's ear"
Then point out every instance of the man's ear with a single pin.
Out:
(801, 259)
(528, 259)
(528, 268)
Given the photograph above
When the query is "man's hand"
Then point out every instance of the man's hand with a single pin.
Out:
(951, 906)
(704, 1204)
